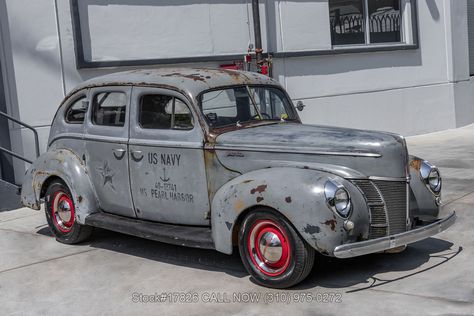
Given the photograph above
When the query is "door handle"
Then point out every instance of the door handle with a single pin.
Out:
(119, 153)
(136, 155)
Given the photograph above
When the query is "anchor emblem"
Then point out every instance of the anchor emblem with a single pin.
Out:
(164, 179)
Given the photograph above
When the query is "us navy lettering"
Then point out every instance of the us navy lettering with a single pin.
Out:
(164, 159)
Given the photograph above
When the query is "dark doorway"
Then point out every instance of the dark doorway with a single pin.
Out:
(6, 165)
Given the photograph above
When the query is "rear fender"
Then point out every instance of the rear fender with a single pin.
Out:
(67, 166)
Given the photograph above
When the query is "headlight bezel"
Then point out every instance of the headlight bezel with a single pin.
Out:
(342, 208)
(426, 172)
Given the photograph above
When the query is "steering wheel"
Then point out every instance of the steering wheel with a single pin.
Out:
(256, 116)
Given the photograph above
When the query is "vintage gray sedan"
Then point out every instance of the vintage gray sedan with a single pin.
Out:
(214, 158)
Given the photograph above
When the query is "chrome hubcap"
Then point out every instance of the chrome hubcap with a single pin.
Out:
(63, 212)
(270, 247)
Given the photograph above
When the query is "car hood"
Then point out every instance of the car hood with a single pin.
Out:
(355, 153)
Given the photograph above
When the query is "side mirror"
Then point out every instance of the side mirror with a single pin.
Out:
(300, 105)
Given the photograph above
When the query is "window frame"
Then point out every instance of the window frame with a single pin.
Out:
(172, 128)
(92, 108)
(71, 103)
(408, 31)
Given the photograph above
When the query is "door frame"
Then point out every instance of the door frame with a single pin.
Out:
(192, 139)
(110, 135)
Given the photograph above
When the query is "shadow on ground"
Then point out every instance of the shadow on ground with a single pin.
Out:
(365, 272)
(330, 273)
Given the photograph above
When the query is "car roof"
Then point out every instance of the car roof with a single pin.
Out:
(191, 81)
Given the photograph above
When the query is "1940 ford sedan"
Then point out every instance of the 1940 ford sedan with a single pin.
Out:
(217, 158)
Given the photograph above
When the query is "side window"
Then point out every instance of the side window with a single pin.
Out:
(109, 108)
(76, 111)
(159, 111)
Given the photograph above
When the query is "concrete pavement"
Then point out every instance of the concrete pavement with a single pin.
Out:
(114, 274)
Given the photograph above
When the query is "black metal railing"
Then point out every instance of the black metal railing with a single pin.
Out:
(35, 134)
(356, 23)
(348, 24)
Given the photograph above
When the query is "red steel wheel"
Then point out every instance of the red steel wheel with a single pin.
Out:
(269, 247)
(63, 213)
(272, 251)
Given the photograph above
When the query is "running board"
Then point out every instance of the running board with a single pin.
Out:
(189, 236)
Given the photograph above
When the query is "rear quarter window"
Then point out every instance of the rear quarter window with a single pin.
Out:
(76, 112)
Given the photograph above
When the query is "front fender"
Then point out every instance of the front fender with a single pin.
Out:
(298, 194)
(66, 165)
(422, 201)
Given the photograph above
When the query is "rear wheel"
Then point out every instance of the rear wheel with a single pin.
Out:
(272, 251)
(61, 215)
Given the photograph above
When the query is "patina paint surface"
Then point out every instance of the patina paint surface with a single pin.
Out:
(212, 177)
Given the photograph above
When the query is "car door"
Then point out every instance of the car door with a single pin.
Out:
(167, 173)
(106, 136)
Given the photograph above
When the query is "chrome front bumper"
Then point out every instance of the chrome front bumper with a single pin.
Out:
(389, 242)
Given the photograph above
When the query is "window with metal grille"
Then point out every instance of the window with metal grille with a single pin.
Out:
(365, 22)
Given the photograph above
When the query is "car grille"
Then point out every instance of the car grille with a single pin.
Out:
(387, 201)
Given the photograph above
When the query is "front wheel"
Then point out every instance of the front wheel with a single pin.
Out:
(272, 251)
(61, 215)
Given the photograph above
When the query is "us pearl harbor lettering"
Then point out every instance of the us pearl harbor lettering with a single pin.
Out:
(166, 189)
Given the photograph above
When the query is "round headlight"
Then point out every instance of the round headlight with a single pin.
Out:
(337, 198)
(431, 177)
(341, 200)
(434, 180)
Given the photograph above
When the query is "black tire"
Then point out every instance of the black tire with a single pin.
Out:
(289, 269)
(66, 232)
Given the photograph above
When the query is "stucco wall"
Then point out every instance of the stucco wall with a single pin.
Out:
(405, 91)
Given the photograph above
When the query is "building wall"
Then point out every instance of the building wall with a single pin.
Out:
(406, 91)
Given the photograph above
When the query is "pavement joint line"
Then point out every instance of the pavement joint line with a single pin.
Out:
(459, 198)
(46, 260)
(20, 232)
(437, 298)
(407, 294)
(16, 218)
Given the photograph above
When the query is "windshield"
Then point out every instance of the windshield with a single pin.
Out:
(237, 105)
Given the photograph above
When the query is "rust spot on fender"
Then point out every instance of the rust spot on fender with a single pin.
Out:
(80, 199)
(416, 164)
(41, 173)
(259, 189)
(331, 223)
(259, 199)
(288, 199)
(239, 205)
